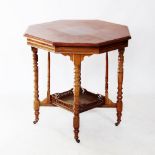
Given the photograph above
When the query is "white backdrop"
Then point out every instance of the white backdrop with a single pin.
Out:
(15, 56)
(16, 72)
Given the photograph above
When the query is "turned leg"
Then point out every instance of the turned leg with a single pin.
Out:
(120, 82)
(106, 79)
(48, 80)
(36, 91)
(77, 83)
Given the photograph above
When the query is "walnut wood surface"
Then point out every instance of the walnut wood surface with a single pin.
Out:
(87, 100)
(90, 33)
(48, 78)
(36, 90)
(120, 83)
(76, 49)
(77, 39)
(106, 78)
(77, 84)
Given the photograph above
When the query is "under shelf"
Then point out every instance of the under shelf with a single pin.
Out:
(87, 100)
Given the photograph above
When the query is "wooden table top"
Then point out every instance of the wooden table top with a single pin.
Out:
(77, 33)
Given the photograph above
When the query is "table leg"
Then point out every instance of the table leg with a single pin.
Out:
(36, 91)
(106, 79)
(120, 83)
(48, 80)
(77, 83)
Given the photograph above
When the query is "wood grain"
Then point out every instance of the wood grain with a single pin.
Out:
(77, 39)
(106, 79)
(120, 87)
(36, 89)
(48, 79)
(77, 85)
(88, 33)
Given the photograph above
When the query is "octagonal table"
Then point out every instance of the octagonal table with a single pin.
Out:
(77, 39)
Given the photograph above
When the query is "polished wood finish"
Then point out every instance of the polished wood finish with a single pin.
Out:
(106, 79)
(120, 83)
(65, 33)
(76, 50)
(36, 90)
(78, 36)
(77, 39)
(48, 79)
(87, 100)
(77, 85)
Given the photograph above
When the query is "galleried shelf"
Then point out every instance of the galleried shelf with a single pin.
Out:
(77, 39)
(87, 100)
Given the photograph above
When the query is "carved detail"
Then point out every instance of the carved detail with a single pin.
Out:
(40, 44)
(59, 99)
(106, 79)
(78, 58)
(77, 84)
(36, 89)
(77, 50)
(120, 83)
(60, 95)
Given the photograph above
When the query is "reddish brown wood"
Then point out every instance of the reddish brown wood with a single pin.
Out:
(36, 90)
(120, 83)
(77, 85)
(87, 100)
(106, 79)
(48, 80)
(89, 33)
(77, 39)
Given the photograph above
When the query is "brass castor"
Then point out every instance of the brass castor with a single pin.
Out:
(77, 140)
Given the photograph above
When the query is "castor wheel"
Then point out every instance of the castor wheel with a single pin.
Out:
(117, 123)
(35, 122)
(77, 140)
